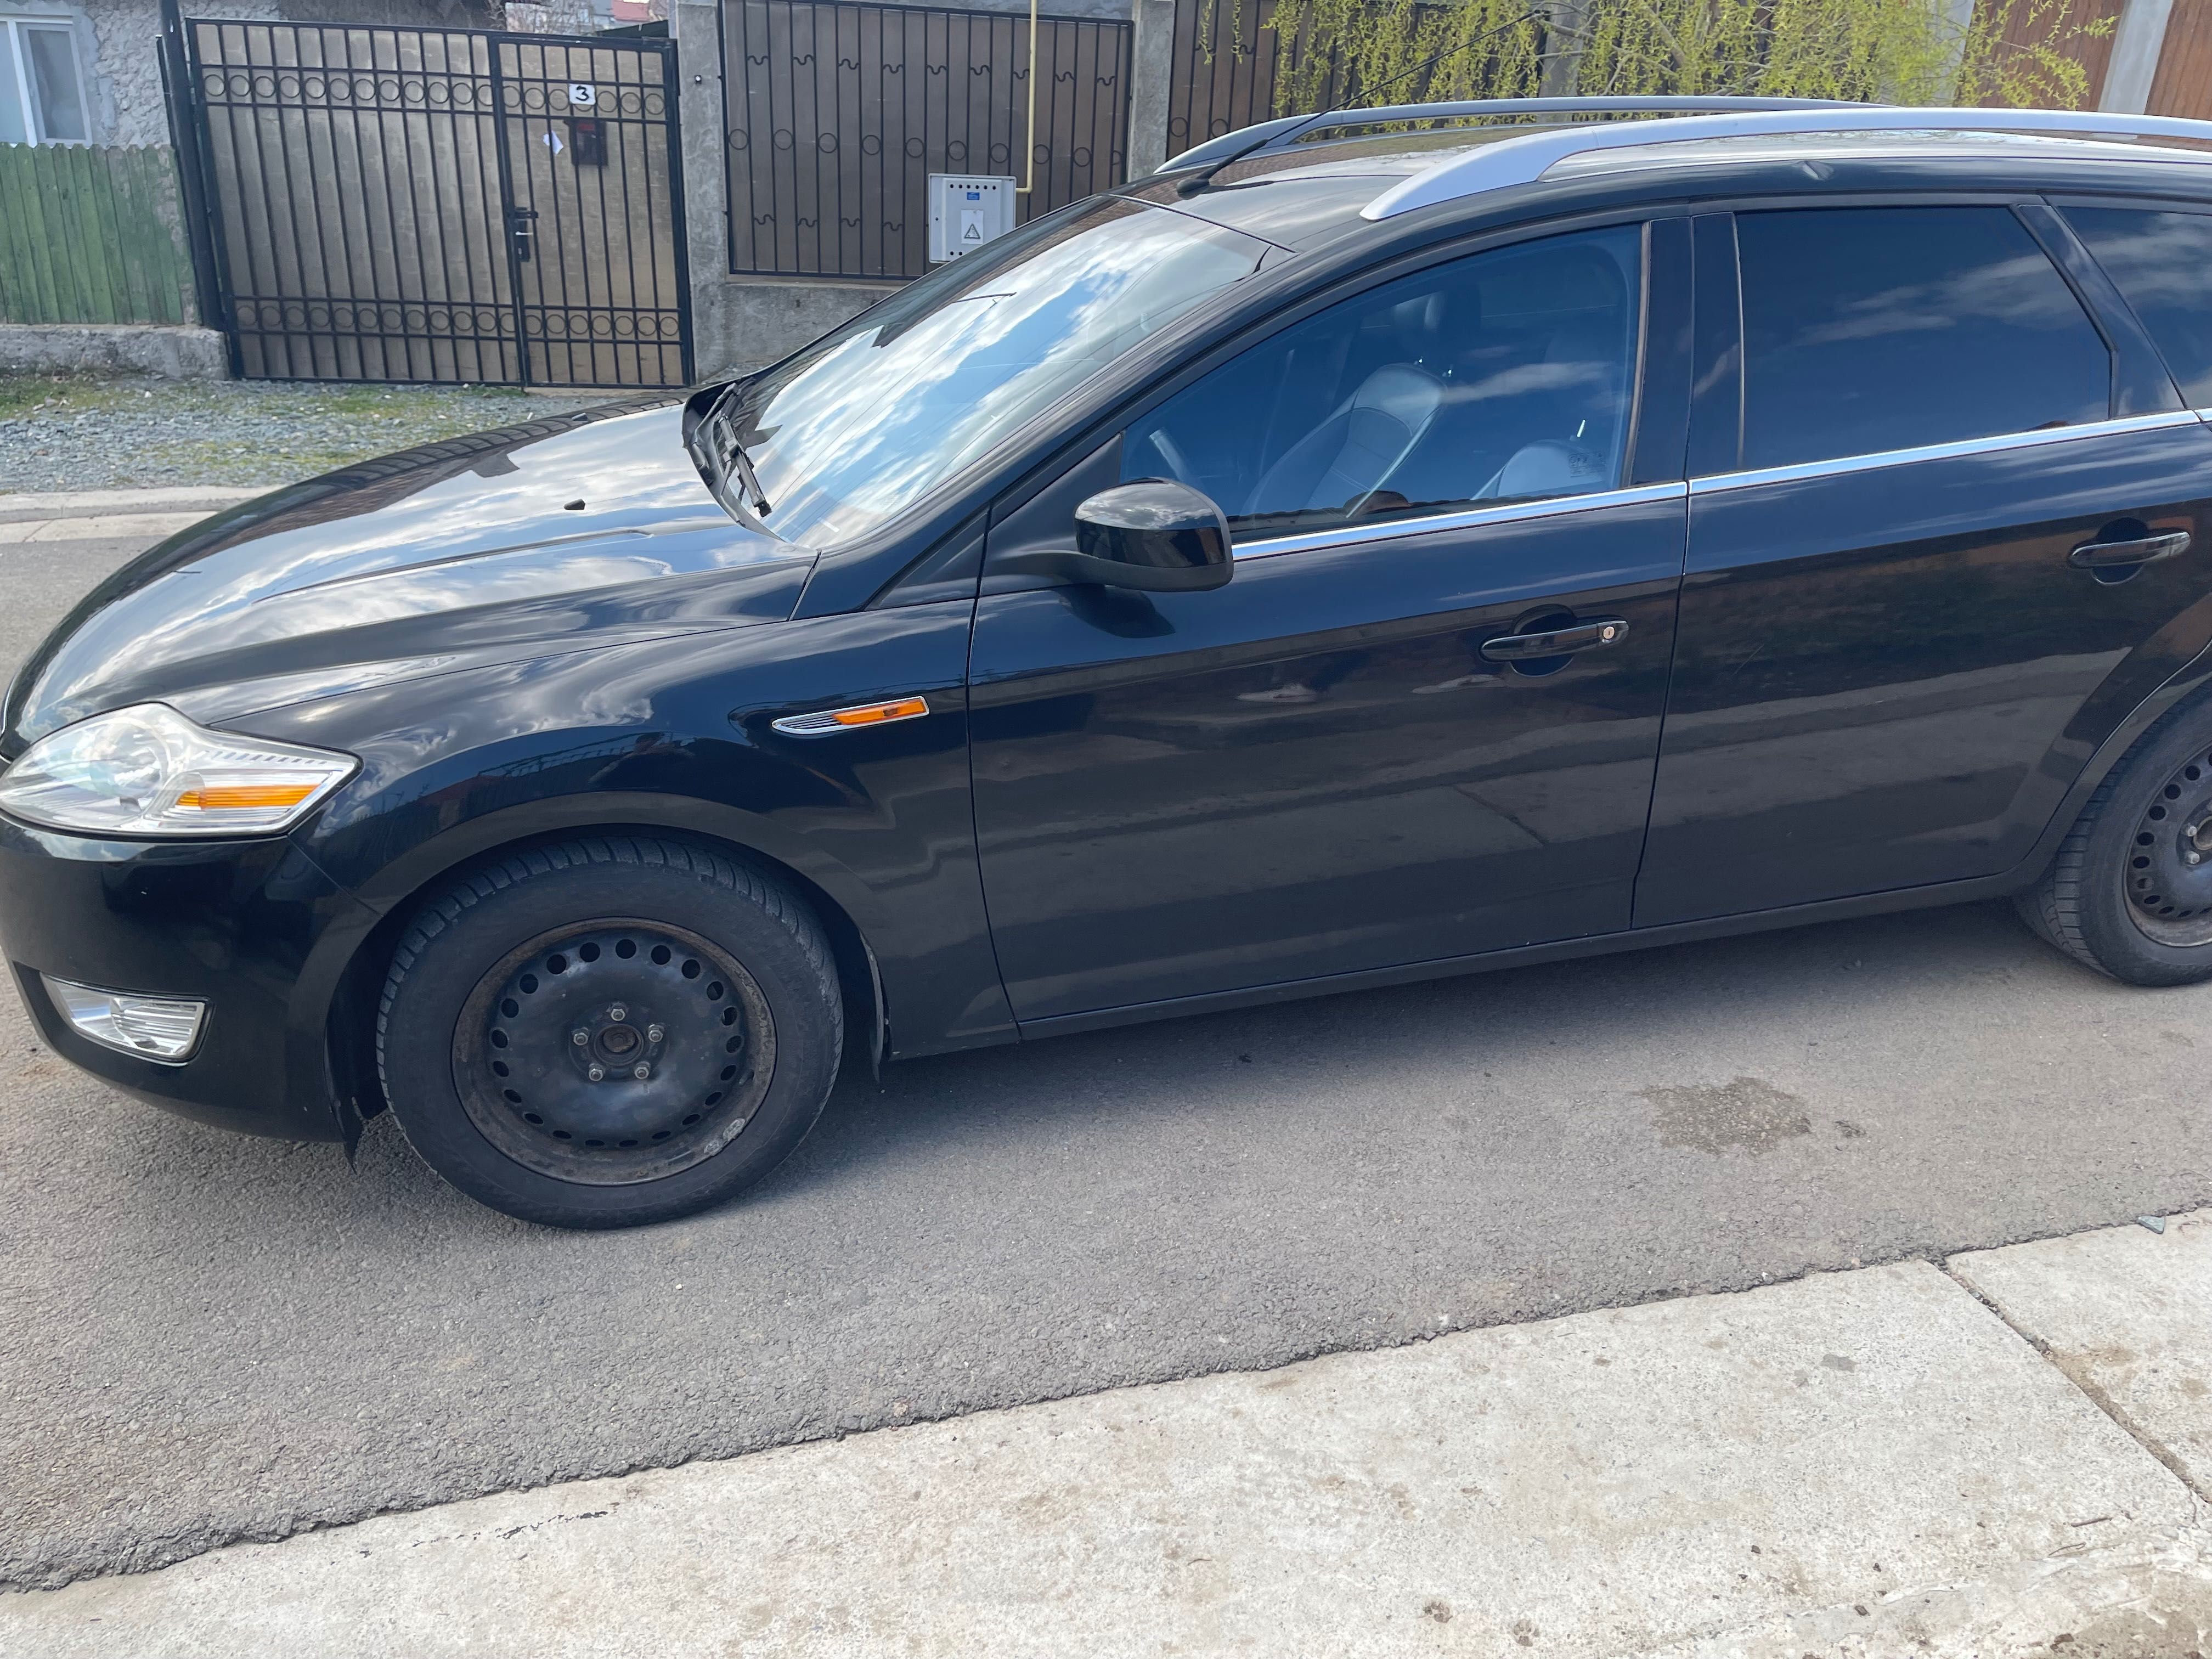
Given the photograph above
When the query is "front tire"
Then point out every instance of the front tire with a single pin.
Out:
(609, 1031)
(2129, 892)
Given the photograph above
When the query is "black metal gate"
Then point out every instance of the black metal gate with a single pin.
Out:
(438, 205)
(1227, 63)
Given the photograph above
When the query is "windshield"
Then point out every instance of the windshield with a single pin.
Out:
(866, 421)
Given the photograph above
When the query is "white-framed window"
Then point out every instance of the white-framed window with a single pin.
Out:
(42, 83)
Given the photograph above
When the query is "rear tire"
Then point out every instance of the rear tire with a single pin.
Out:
(610, 1030)
(2121, 896)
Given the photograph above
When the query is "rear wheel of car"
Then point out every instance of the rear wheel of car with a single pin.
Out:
(2129, 893)
(610, 1030)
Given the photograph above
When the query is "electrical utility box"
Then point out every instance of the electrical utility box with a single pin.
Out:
(965, 211)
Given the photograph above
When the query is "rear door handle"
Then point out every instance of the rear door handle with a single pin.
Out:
(1559, 642)
(2100, 555)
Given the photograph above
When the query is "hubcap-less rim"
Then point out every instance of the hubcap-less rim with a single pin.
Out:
(615, 1051)
(2168, 879)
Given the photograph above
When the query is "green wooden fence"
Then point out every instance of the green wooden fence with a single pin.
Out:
(92, 235)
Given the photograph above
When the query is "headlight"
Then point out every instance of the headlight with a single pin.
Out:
(147, 770)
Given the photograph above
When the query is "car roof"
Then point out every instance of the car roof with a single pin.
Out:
(1301, 193)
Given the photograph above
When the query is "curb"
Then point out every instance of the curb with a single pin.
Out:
(92, 515)
(1877, 1463)
(106, 527)
(17, 506)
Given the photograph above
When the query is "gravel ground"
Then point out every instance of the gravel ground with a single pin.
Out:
(76, 432)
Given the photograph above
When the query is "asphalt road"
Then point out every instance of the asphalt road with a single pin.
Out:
(210, 1338)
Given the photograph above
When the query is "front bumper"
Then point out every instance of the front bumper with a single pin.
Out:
(244, 925)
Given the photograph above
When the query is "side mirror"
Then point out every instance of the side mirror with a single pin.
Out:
(1155, 534)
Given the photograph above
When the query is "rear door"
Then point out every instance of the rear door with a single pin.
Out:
(1342, 760)
(1929, 479)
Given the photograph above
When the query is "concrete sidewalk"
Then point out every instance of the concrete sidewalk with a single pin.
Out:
(2004, 1455)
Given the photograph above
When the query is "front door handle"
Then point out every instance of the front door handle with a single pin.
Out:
(2102, 556)
(1559, 642)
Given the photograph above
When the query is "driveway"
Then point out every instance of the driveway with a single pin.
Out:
(215, 1338)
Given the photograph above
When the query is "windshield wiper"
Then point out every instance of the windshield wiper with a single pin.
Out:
(725, 456)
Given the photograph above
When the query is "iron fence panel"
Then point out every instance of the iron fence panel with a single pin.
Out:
(1228, 58)
(835, 113)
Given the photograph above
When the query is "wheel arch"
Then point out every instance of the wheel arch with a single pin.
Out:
(396, 893)
(2188, 691)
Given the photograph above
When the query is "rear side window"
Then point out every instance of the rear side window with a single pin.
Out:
(2163, 264)
(1874, 329)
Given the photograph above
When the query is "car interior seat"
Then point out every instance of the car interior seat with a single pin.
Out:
(1356, 448)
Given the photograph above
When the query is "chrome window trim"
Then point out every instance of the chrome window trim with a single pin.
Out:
(1397, 529)
(1712, 482)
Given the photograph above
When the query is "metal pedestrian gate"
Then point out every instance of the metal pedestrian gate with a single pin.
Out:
(452, 205)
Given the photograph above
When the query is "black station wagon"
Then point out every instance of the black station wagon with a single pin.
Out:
(1375, 547)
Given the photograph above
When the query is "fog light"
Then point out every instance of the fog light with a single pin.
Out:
(152, 1027)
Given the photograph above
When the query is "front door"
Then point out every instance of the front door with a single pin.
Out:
(1937, 574)
(1421, 721)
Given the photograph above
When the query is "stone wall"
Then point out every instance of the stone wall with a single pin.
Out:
(173, 353)
(118, 39)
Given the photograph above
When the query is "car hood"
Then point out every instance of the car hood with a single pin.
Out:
(568, 533)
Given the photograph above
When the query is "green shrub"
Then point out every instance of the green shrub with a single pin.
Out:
(2015, 52)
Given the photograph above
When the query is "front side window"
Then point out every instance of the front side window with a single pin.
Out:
(1503, 376)
(864, 421)
(1874, 329)
(41, 90)
(2162, 263)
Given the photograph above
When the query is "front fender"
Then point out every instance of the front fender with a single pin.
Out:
(674, 735)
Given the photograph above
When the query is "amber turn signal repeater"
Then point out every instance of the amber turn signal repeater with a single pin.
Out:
(823, 722)
(233, 797)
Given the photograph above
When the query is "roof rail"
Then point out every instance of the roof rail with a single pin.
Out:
(1264, 136)
(1525, 159)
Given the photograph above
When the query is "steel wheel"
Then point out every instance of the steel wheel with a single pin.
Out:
(2168, 877)
(614, 1051)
